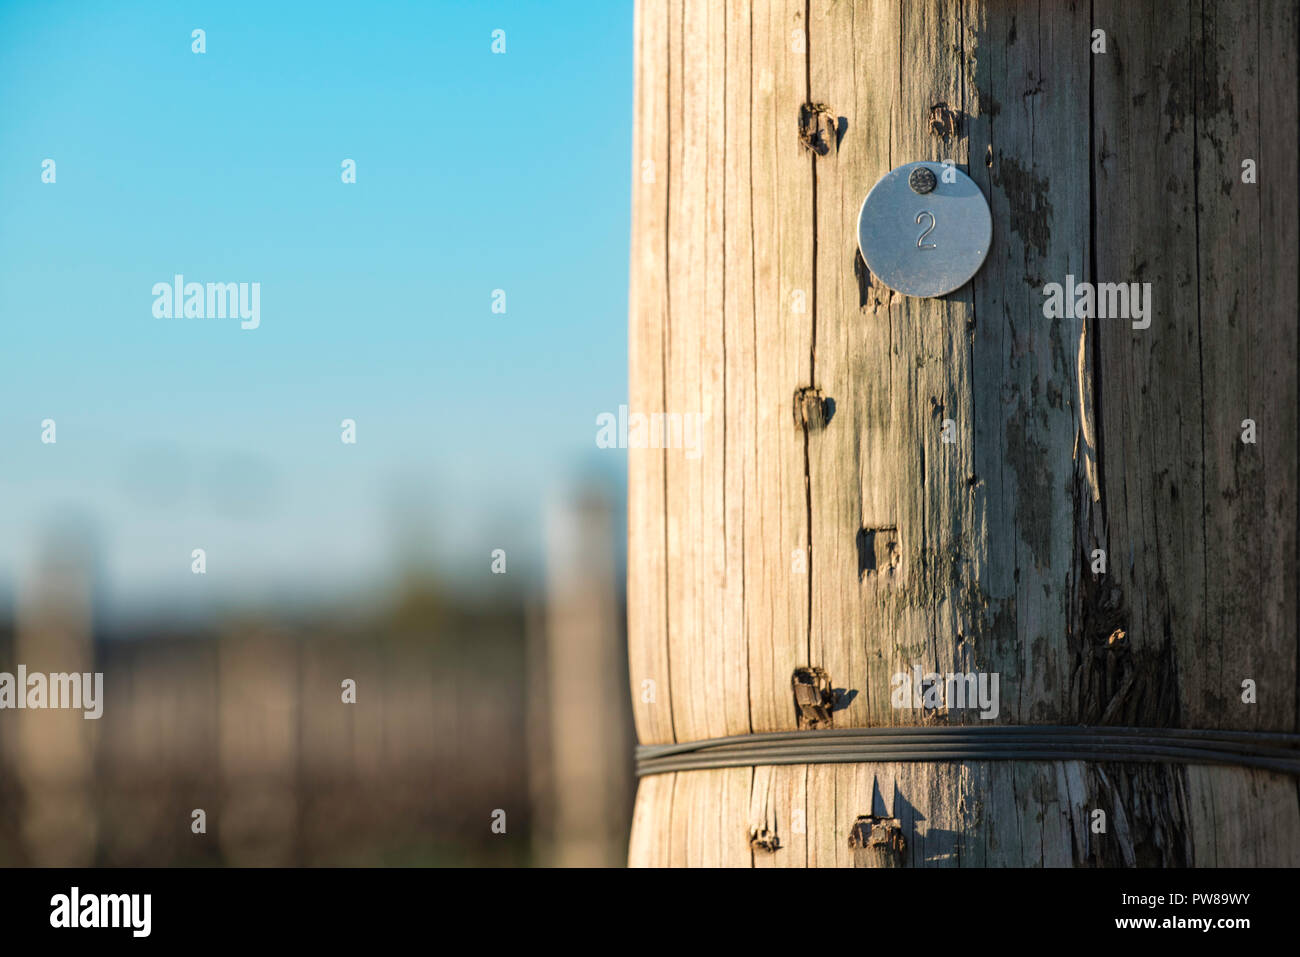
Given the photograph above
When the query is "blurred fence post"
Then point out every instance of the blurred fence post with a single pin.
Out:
(55, 749)
(257, 819)
(582, 752)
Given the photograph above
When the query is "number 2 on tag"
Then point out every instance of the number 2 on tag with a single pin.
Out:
(920, 240)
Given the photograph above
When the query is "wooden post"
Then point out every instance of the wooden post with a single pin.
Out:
(54, 749)
(828, 522)
(581, 760)
(258, 738)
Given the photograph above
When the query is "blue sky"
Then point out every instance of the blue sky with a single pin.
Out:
(475, 171)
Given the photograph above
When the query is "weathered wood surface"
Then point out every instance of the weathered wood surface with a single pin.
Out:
(866, 545)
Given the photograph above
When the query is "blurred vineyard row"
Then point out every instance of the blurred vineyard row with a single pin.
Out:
(465, 705)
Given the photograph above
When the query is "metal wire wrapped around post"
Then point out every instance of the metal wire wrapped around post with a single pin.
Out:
(1254, 749)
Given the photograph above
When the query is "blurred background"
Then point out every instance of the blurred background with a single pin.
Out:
(463, 302)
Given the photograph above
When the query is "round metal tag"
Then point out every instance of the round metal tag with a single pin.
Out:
(925, 229)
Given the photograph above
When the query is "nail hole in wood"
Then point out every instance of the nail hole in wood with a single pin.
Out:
(878, 551)
(876, 842)
(764, 841)
(812, 410)
(814, 700)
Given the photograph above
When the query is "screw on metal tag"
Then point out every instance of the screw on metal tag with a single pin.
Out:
(925, 229)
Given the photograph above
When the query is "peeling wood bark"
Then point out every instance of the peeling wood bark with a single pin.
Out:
(852, 538)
